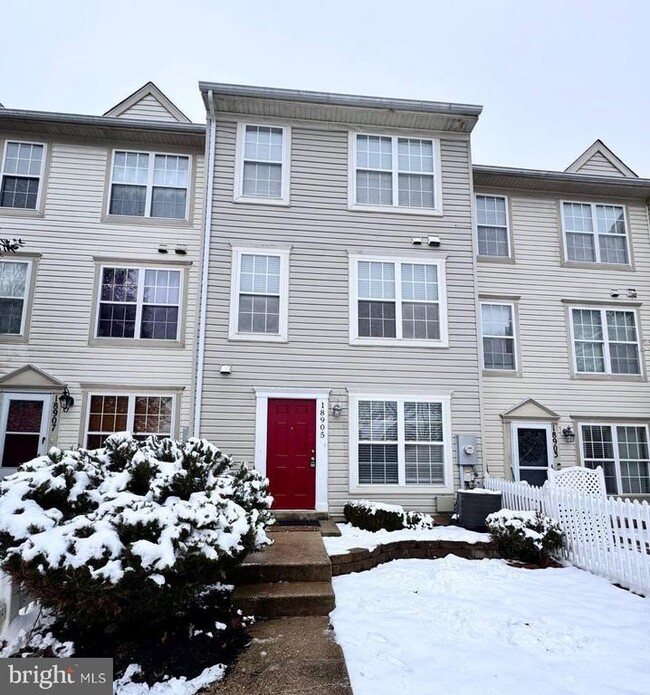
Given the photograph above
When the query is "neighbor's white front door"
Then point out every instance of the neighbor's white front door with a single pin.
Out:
(24, 420)
(532, 451)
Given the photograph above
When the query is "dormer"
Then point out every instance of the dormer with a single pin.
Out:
(148, 104)
(599, 160)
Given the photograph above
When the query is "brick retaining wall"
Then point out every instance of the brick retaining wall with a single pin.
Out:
(360, 559)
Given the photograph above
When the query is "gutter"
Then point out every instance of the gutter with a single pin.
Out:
(205, 267)
(563, 176)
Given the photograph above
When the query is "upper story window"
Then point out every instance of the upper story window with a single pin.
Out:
(605, 341)
(595, 233)
(145, 184)
(14, 290)
(259, 295)
(622, 451)
(22, 175)
(395, 172)
(262, 174)
(498, 332)
(141, 303)
(397, 302)
(492, 226)
(144, 415)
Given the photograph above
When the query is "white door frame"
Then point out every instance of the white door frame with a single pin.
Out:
(8, 396)
(321, 396)
(529, 424)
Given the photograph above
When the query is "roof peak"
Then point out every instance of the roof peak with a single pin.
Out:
(599, 150)
(149, 89)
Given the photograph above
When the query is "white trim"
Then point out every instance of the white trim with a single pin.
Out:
(511, 305)
(8, 396)
(285, 185)
(150, 183)
(140, 301)
(40, 177)
(595, 234)
(353, 450)
(507, 227)
(606, 341)
(529, 424)
(283, 326)
(355, 339)
(130, 418)
(436, 211)
(28, 287)
(616, 457)
(321, 397)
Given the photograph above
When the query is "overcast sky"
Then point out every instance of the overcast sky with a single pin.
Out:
(552, 75)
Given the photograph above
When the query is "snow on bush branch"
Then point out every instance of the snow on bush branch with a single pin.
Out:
(525, 536)
(132, 529)
(374, 516)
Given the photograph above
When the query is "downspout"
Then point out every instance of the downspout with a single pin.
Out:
(205, 267)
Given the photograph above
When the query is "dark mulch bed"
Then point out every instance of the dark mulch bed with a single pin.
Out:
(544, 564)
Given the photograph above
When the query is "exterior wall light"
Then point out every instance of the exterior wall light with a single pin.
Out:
(568, 434)
(66, 400)
(336, 410)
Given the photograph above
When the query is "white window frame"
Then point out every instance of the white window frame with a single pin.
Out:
(235, 280)
(130, 417)
(616, 457)
(150, 185)
(507, 227)
(595, 233)
(355, 339)
(140, 303)
(26, 297)
(436, 211)
(606, 351)
(41, 174)
(285, 186)
(514, 337)
(357, 488)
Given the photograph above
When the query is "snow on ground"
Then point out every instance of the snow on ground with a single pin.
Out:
(352, 537)
(463, 627)
(173, 686)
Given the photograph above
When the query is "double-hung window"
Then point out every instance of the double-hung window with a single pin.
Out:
(498, 333)
(145, 184)
(14, 292)
(492, 226)
(22, 175)
(262, 174)
(395, 172)
(605, 341)
(397, 301)
(259, 294)
(142, 303)
(595, 233)
(143, 415)
(622, 451)
(400, 440)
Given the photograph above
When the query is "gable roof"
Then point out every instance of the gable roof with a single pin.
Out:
(30, 377)
(599, 160)
(148, 103)
(530, 409)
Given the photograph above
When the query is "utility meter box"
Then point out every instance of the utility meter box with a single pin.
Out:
(466, 450)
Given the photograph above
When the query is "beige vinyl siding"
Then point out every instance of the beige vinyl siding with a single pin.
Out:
(321, 231)
(542, 282)
(69, 235)
(599, 165)
(148, 109)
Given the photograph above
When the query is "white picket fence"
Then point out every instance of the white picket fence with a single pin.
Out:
(609, 537)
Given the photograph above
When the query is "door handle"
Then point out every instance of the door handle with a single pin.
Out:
(312, 460)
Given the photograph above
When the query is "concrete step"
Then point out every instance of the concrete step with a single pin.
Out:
(329, 528)
(293, 557)
(285, 599)
(295, 514)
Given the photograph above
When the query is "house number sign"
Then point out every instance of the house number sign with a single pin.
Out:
(554, 438)
(322, 420)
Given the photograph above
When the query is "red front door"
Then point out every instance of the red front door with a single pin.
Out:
(291, 453)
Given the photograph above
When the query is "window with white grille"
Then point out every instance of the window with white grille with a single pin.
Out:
(622, 452)
(595, 233)
(263, 164)
(395, 172)
(14, 291)
(498, 333)
(605, 341)
(23, 164)
(492, 226)
(401, 441)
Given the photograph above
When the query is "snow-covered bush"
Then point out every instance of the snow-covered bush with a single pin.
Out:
(374, 516)
(525, 536)
(129, 534)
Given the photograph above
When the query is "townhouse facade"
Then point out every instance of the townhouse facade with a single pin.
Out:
(98, 308)
(329, 289)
